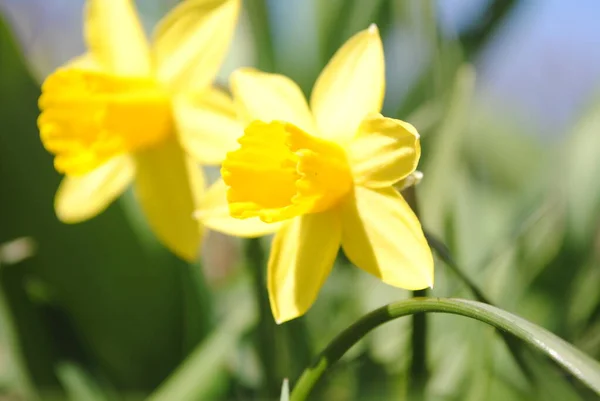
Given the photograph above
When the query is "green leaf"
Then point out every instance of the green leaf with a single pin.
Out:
(581, 175)
(195, 378)
(570, 358)
(18, 377)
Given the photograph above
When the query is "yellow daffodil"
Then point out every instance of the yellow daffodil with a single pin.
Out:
(323, 177)
(127, 109)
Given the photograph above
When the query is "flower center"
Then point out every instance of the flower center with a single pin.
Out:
(89, 117)
(281, 172)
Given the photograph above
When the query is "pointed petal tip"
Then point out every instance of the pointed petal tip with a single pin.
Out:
(373, 29)
(285, 317)
(281, 320)
(430, 279)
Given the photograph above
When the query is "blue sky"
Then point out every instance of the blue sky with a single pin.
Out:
(544, 62)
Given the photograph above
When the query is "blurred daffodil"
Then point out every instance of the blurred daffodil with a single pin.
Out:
(125, 111)
(323, 176)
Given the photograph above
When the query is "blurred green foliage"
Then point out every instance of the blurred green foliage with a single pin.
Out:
(100, 311)
(93, 293)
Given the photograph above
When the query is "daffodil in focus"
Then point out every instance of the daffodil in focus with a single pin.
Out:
(130, 111)
(322, 176)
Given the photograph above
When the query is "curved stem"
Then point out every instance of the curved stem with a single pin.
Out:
(587, 370)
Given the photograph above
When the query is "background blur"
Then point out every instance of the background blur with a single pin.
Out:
(506, 96)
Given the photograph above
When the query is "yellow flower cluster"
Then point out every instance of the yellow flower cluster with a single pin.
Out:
(318, 174)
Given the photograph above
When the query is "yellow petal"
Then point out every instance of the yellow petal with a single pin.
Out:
(350, 87)
(302, 256)
(168, 186)
(115, 37)
(192, 40)
(208, 125)
(213, 212)
(384, 152)
(382, 235)
(81, 198)
(267, 97)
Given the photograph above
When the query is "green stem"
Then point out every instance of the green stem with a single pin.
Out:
(299, 346)
(418, 365)
(265, 340)
(577, 363)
